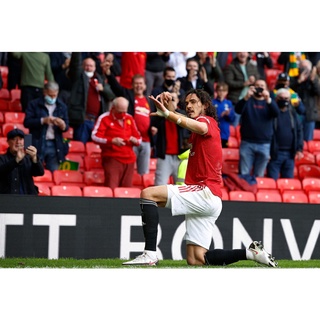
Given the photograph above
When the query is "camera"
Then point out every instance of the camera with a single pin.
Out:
(258, 90)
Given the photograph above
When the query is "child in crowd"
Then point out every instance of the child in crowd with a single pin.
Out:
(225, 112)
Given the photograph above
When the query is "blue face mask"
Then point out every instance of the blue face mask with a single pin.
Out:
(50, 100)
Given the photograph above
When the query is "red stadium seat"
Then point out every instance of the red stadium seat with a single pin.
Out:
(137, 180)
(1, 118)
(230, 154)
(265, 195)
(97, 191)
(288, 184)
(230, 167)
(308, 170)
(14, 117)
(77, 147)
(68, 177)
(3, 145)
(94, 178)
(266, 183)
(92, 163)
(68, 134)
(66, 191)
(296, 196)
(314, 196)
(46, 178)
(308, 158)
(44, 188)
(123, 192)
(313, 146)
(311, 184)
(318, 159)
(148, 179)
(271, 77)
(233, 142)
(316, 134)
(4, 105)
(93, 149)
(242, 196)
(152, 164)
(6, 127)
(15, 94)
(4, 94)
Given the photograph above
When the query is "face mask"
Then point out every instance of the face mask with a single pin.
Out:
(50, 100)
(89, 74)
(169, 82)
(119, 115)
(280, 85)
(283, 104)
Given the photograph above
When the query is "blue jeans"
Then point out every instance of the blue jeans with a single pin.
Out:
(283, 166)
(83, 132)
(253, 157)
(50, 156)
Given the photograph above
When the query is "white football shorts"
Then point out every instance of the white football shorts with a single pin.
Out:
(201, 209)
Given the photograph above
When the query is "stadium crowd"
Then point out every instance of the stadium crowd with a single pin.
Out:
(241, 84)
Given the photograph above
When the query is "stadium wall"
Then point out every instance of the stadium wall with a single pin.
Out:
(94, 228)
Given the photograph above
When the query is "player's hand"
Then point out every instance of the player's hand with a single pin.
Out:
(162, 111)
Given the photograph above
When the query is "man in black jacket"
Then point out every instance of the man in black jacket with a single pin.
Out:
(18, 166)
(89, 96)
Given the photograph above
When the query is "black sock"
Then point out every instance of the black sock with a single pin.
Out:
(150, 221)
(221, 257)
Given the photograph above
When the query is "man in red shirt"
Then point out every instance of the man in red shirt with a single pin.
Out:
(117, 134)
(200, 198)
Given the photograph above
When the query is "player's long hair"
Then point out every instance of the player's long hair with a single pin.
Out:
(206, 100)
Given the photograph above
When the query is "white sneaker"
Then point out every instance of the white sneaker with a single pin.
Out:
(142, 260)
(261, 255)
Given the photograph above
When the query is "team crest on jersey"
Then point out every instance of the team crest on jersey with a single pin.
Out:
(129, 122)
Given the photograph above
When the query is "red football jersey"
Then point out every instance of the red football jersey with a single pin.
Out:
(205, 158)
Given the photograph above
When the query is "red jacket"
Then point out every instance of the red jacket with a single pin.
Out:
(107, 128)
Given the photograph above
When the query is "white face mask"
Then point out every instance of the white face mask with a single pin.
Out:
(89, 74)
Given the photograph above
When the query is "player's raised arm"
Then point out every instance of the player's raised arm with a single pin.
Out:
(162, 102)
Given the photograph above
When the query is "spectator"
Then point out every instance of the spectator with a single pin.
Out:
(35, 70)
(171, 140)
(177, 60)
(155, 65)
(287, 141)
(1, 81)
(132, 63)
(257, 112)
(139, 108)
(196, 78)
(240, 74)
(89, 96)
(60, 62)
(262, 60)
(225, 112)
(283, 81)
(170, 84)
(14, 72)
(47, 119)
(307, 86)
(18, 166)
(211, 64)
(225, 58)
(291, 62)
(117, 133)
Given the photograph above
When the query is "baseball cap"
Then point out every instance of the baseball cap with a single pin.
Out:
(283, 76)
(14, 133)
